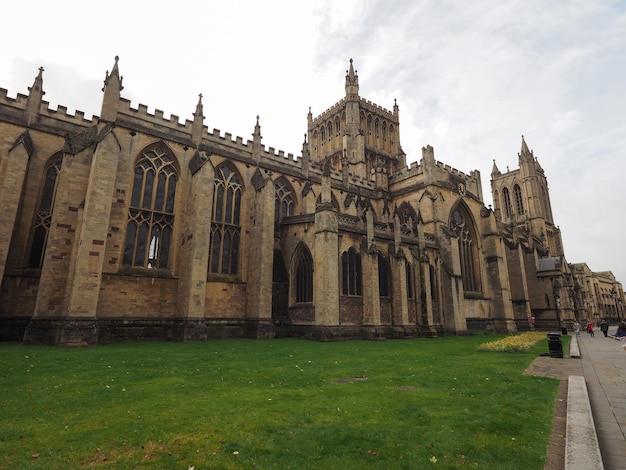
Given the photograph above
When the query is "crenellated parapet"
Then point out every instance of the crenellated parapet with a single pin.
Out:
(330, 113)
(60, 113)
(367, 105)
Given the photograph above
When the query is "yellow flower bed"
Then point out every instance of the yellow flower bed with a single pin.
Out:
(515, 343)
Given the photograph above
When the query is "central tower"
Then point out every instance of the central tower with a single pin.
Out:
(357, 137)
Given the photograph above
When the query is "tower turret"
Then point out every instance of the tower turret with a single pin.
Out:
(35, 97)
(352, 84)
(112, 90)
(198, 123)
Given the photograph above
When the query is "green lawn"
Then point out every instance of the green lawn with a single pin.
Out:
(230, 404)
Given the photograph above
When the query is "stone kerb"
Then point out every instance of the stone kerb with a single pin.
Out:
(582, 450)
(574, 349)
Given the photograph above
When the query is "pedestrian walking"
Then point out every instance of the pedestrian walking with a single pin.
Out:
(590, 329)
(577, 328)
(604, 327)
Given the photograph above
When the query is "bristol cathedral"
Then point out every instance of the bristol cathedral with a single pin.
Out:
(129, 226)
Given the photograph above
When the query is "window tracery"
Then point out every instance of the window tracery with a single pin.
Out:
(351, 273)
(461, 224)
(225, 222)
(151, 212)
(44, 213)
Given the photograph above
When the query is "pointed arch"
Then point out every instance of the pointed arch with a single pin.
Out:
(519, 200)
(407, 215)
(151, 213)
(284, 200)
(506, 196)
(333, 201)
(225, 221)
(410, 281)
(384, 276)
(351, 273)
(303, 274)
(463, 225)
(43, 217)
(385, 141)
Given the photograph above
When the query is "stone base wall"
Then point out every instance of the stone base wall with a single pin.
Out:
(13, 328)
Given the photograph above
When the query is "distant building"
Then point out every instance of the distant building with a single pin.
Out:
(130, 226)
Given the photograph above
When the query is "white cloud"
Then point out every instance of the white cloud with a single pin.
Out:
(469, 77)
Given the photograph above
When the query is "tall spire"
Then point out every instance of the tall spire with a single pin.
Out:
(494, 170)
(525, 150)
(256, 141)
(352, 83)
(198, 123)
(112, 89)
(35, 96)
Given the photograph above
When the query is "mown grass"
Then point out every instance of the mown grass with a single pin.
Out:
(231, 404)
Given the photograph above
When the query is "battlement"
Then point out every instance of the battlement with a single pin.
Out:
(377, 108)
(329, 112)
(412, 171)
(158, 118)
(61, 112)
(451, 170)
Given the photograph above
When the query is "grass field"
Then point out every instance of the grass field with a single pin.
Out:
(244, 404)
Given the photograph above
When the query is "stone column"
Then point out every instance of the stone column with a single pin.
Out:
(195, 250)
(258, 321)
(13, 169)
(326, 261)
(86, 269)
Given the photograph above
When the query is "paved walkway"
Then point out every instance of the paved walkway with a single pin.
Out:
(604, 368)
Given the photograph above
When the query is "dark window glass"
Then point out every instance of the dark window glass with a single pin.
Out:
(151, 213)
(225, 226)
(384, 277)
(409, 281)
(461, 224)
(304, 276)
(43, 217)
(351, 272)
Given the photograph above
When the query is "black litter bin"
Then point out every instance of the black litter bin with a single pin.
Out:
(554, 345)
(564, 331)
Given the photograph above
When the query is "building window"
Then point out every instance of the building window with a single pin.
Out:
(461, 224)
(507, 202)
(519, 202)
(284, 204)
(304, 275)
(44, 214)
(151, 212)
(226, 225)
(351, 272)
(384, 277)
(410, 282)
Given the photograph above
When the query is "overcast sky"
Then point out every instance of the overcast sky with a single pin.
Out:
(470, 79)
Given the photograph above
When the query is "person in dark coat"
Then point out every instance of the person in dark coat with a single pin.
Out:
(604, 327)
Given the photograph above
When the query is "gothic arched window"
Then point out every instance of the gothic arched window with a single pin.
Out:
(384, 276)
(225, 222)
(351, 273)
(507, 202)
(519, 201)
(151, 212)
(461, 223)
(304, 275)
(44, 213)
(284, 204)
(410, 280)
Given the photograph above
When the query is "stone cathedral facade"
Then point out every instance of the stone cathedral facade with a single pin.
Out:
(130, 226)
